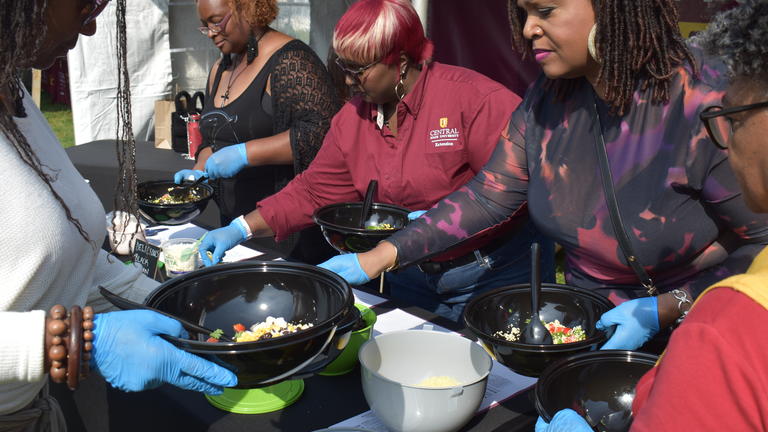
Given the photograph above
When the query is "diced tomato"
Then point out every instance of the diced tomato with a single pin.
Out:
(239, 328)
(210, 339)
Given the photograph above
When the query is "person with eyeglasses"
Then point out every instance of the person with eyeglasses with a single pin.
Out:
(713, 375)
(269, 102)
(618, 80)
(50, 255)
(421, 129)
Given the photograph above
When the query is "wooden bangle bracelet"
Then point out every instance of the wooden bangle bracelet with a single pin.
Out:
(69, 341)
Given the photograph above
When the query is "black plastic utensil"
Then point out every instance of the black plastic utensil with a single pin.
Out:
(125, 304)
(373, 185)
(180, 191)
(535, 332)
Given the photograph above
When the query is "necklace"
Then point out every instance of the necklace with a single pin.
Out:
(252, 45)
(232, 78)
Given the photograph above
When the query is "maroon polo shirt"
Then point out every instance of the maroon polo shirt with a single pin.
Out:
(448, 125)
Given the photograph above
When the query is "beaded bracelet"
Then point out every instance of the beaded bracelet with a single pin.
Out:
(68, 342)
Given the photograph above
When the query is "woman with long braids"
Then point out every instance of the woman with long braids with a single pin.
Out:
(53, 226)
(615, 72)
(269, 102)
(713, 375)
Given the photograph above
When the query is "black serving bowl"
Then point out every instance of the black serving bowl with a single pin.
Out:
(598, 385)
(508, 306)
(340, 340)
(170, 214)
(339, 223)
(248, 292)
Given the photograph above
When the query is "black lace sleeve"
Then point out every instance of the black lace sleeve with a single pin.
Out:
(303, 100)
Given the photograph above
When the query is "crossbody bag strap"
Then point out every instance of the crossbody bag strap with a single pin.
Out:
(613, 207)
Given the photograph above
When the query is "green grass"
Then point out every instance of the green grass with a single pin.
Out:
(60, 118)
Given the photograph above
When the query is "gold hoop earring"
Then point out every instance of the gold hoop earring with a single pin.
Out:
(591, 43)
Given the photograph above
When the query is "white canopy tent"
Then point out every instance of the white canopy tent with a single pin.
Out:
(166, 53)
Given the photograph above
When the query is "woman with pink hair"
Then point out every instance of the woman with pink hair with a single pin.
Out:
(421, 129)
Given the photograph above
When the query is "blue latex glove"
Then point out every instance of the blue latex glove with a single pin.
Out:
(415, 214)
(226, 162)
(566, 420)
(130, 355)
(348, 267)
(637, 321)
(220, 240)
(187, 174)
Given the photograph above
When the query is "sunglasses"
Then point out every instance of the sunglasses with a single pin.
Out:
(719, 126)
(354, 73)
(217, 27)
(97, 7)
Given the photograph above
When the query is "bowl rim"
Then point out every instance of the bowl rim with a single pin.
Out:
(323, 224)
(364, 368)
(202, 347)
(556, 368)
(372, 313)
(598, 338)
(146, 203)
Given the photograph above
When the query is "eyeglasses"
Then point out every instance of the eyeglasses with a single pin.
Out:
(216, 28)
(97, 7)
(354, 73)
(720, 126)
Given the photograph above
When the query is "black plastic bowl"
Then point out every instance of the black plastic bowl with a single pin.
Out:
(170, 214)
(248, 292)
(501, 308)
(339, 223)
(599, 385)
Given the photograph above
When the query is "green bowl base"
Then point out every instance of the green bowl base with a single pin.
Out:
(258, 400)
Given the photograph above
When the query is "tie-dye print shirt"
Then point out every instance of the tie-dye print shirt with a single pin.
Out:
(678, 197)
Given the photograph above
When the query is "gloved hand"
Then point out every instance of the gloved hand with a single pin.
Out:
(348, 267)
(130, 355)
(227, 162)
(187, 174)
(637, 321)
(566, 420)
(415, 214)
(220, 240)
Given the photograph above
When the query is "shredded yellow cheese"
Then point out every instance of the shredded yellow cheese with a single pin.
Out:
(438, 381)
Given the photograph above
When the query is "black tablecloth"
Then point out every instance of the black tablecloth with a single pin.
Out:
(97, 162)
(325, 401)
(95, 406)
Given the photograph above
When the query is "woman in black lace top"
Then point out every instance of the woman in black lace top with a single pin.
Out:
(269, 102)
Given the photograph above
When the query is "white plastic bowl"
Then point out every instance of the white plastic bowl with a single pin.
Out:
(122, 239)
(392, 364)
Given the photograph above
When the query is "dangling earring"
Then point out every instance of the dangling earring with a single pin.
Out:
(400, 86)
(591, 43)
(252, 50)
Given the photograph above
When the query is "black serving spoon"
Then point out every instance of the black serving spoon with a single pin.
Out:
(180, 191)
(125, 304)
(535, 333)
(373, 185)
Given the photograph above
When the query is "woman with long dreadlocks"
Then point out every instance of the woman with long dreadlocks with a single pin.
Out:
(619, 77)
(53, 225)
(713, 375)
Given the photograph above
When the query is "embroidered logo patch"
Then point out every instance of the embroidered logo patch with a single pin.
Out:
(444, 136)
